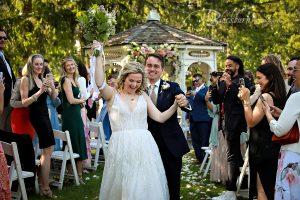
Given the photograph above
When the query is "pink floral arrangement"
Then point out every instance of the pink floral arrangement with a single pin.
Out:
(168, 51)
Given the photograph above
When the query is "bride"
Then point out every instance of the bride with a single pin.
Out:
(133, 168)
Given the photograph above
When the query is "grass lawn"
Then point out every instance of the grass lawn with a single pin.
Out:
(192, 187)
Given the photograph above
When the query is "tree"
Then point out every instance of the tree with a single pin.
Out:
(251, 28)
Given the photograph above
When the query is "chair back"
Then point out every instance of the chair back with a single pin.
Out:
(15, 167)
(96, 130)
(65, 136)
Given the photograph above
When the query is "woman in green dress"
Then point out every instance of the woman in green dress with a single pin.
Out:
(71, 114)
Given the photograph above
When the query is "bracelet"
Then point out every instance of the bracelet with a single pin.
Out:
(102, 86)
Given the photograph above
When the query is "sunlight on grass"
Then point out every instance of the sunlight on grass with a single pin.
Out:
(194, 187)
(72, 192)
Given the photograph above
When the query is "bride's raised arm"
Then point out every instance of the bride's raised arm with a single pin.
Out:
(107, 92)
(155, 114)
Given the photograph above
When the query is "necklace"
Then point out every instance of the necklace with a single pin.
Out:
(131, 96)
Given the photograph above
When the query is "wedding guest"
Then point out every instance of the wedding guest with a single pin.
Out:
(84, 94)
(200, 121)
(289, 70)
(295, 86)
(20, 119)
(34, 93)
(5, 193)
(71, 112)
(232, 113)
(52, 104)
(288, 177)
(263, 153)
(218, 172)
(9, 80)
(92, 101)
(271, 58)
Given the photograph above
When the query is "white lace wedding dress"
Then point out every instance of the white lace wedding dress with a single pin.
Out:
(133, 168)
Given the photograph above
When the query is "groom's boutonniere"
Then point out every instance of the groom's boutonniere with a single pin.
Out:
(165, 85)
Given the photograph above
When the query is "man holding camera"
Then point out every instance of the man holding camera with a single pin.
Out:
(225, 93)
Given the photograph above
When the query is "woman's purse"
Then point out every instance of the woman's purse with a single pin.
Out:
(291, 137)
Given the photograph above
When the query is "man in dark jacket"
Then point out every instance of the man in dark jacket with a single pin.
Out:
(226, 94)
(9, 80)
(169, 136)
(200, 121)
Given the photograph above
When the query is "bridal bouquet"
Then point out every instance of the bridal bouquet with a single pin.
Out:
(97, 24)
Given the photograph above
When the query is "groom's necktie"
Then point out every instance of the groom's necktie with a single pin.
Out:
(152, 94)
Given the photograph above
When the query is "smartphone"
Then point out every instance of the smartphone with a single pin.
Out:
(242, 82)
(1, 76)
(49, 76)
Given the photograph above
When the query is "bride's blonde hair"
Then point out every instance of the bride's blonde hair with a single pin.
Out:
(132, 68)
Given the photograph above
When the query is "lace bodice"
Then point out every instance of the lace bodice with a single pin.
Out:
(122, 118)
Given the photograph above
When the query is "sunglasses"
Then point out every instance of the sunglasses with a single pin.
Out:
(296, 69)
(195, 81)
(3, 38)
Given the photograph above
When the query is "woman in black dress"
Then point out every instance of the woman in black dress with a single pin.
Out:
(34, 91)
(263, 153)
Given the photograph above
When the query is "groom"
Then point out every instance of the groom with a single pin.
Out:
(168, 136)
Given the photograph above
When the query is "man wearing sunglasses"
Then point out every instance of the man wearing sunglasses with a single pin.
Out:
(9, 80)
(200, 122)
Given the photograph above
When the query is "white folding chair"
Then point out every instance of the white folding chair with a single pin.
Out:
(207, 151)
(64, 156)
(97, 141)
(245, 170)
(15, 171)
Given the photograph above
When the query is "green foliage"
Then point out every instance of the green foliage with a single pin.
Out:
(251, 29)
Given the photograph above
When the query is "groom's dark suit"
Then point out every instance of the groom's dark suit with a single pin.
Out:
(169, 138)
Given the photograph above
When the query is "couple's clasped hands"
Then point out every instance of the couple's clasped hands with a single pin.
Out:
(244, 95)
(181, 100)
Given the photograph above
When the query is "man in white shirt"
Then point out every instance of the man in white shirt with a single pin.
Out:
(9, 80)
